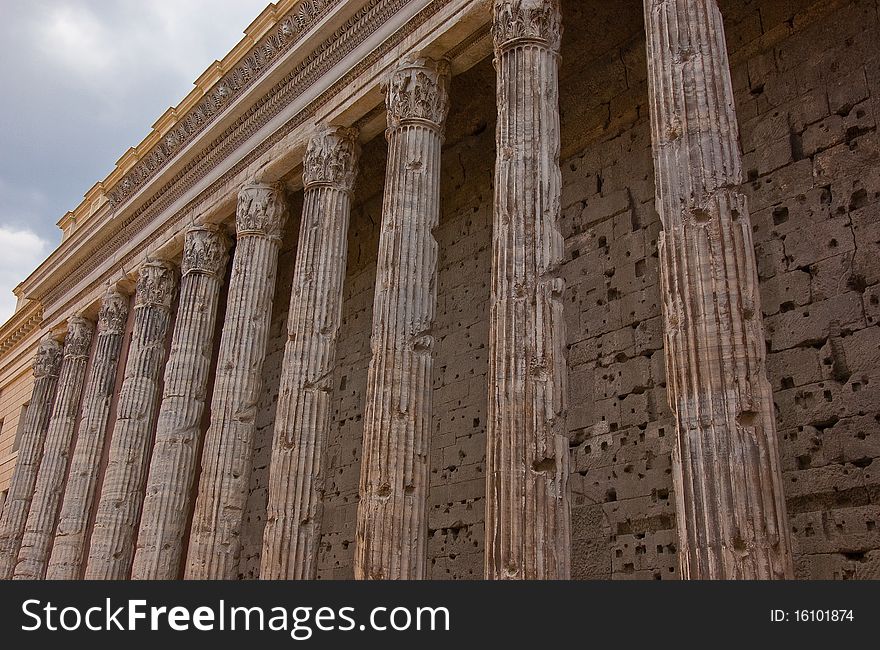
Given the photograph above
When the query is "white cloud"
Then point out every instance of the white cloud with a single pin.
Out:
(23, 250)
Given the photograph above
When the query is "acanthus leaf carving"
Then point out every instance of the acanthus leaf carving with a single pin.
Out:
(418, 91)
(332, 158)
(262, 211)
(47, 362)
(113, 313)
(79, 337)
(205, 250)
(156, 284)
(527, 20)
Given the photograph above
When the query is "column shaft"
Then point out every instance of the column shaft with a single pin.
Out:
(119, 506)
(296, 481)
(392, 519)
(47, 365)
(39, 532)
(69, 547)
(527, 509)
(167, 501)
(215, 537)
(728, 484)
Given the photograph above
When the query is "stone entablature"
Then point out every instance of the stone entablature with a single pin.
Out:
(265, 127)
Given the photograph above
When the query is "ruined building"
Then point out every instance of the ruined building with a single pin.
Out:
(471, 288)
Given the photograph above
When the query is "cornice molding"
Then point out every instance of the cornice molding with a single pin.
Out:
(120, 231)
(60, 292)
(21, 324)
(282, 38)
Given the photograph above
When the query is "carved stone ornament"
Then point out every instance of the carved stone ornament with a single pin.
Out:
(205, 250)
(418, 91)
(332, 158)
(280, 39)
(114, 312)
(536, 21)
(262, 210)
(48, 359)
(156, 283)
(79, 337)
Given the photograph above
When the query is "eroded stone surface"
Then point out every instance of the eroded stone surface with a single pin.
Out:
(47, 365)
(391, 517)
(296, 481)
(730, 504)
(69, 548)
(527, 464)
(215, 538)
(167, 499)
(33, 557)
(122, 490)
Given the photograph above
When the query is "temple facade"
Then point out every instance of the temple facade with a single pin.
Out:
(463, 289)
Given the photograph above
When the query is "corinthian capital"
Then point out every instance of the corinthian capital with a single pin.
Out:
(48, 359)
(79, 337)
(418, 91)
(535, 21)
(204, 250)
(113, 313)
(156, 284)
(332, 158)
(262, 210)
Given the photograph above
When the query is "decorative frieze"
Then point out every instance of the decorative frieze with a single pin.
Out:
(215, 538)
(296, 481)
(47, 365)
(730, 504)
(122, 490)
(346, 39)
(173, 464)
(527, 464)
(36, 544)
(252, 67)
(392, 519)
(69, 548)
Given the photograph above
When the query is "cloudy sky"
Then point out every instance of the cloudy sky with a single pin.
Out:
(84, 80)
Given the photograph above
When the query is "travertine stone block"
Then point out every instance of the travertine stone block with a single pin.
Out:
(391, 518)
(527, 465)
(122, 492)
(730, 506)
(215, 538)
(47, 365)
(296, 481)
(71, 535)
(36, 545)
(167, 499)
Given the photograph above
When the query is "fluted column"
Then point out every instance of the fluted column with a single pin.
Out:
(39, 532)
(391, 519)
(167, 500)
(215, 538)
(527, 505)
(47, 365)
(68, 549)
(728, 483)
(296, 479)
(122, 492)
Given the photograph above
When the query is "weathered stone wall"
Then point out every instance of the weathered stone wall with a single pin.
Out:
(808, 96)
(808, 107)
